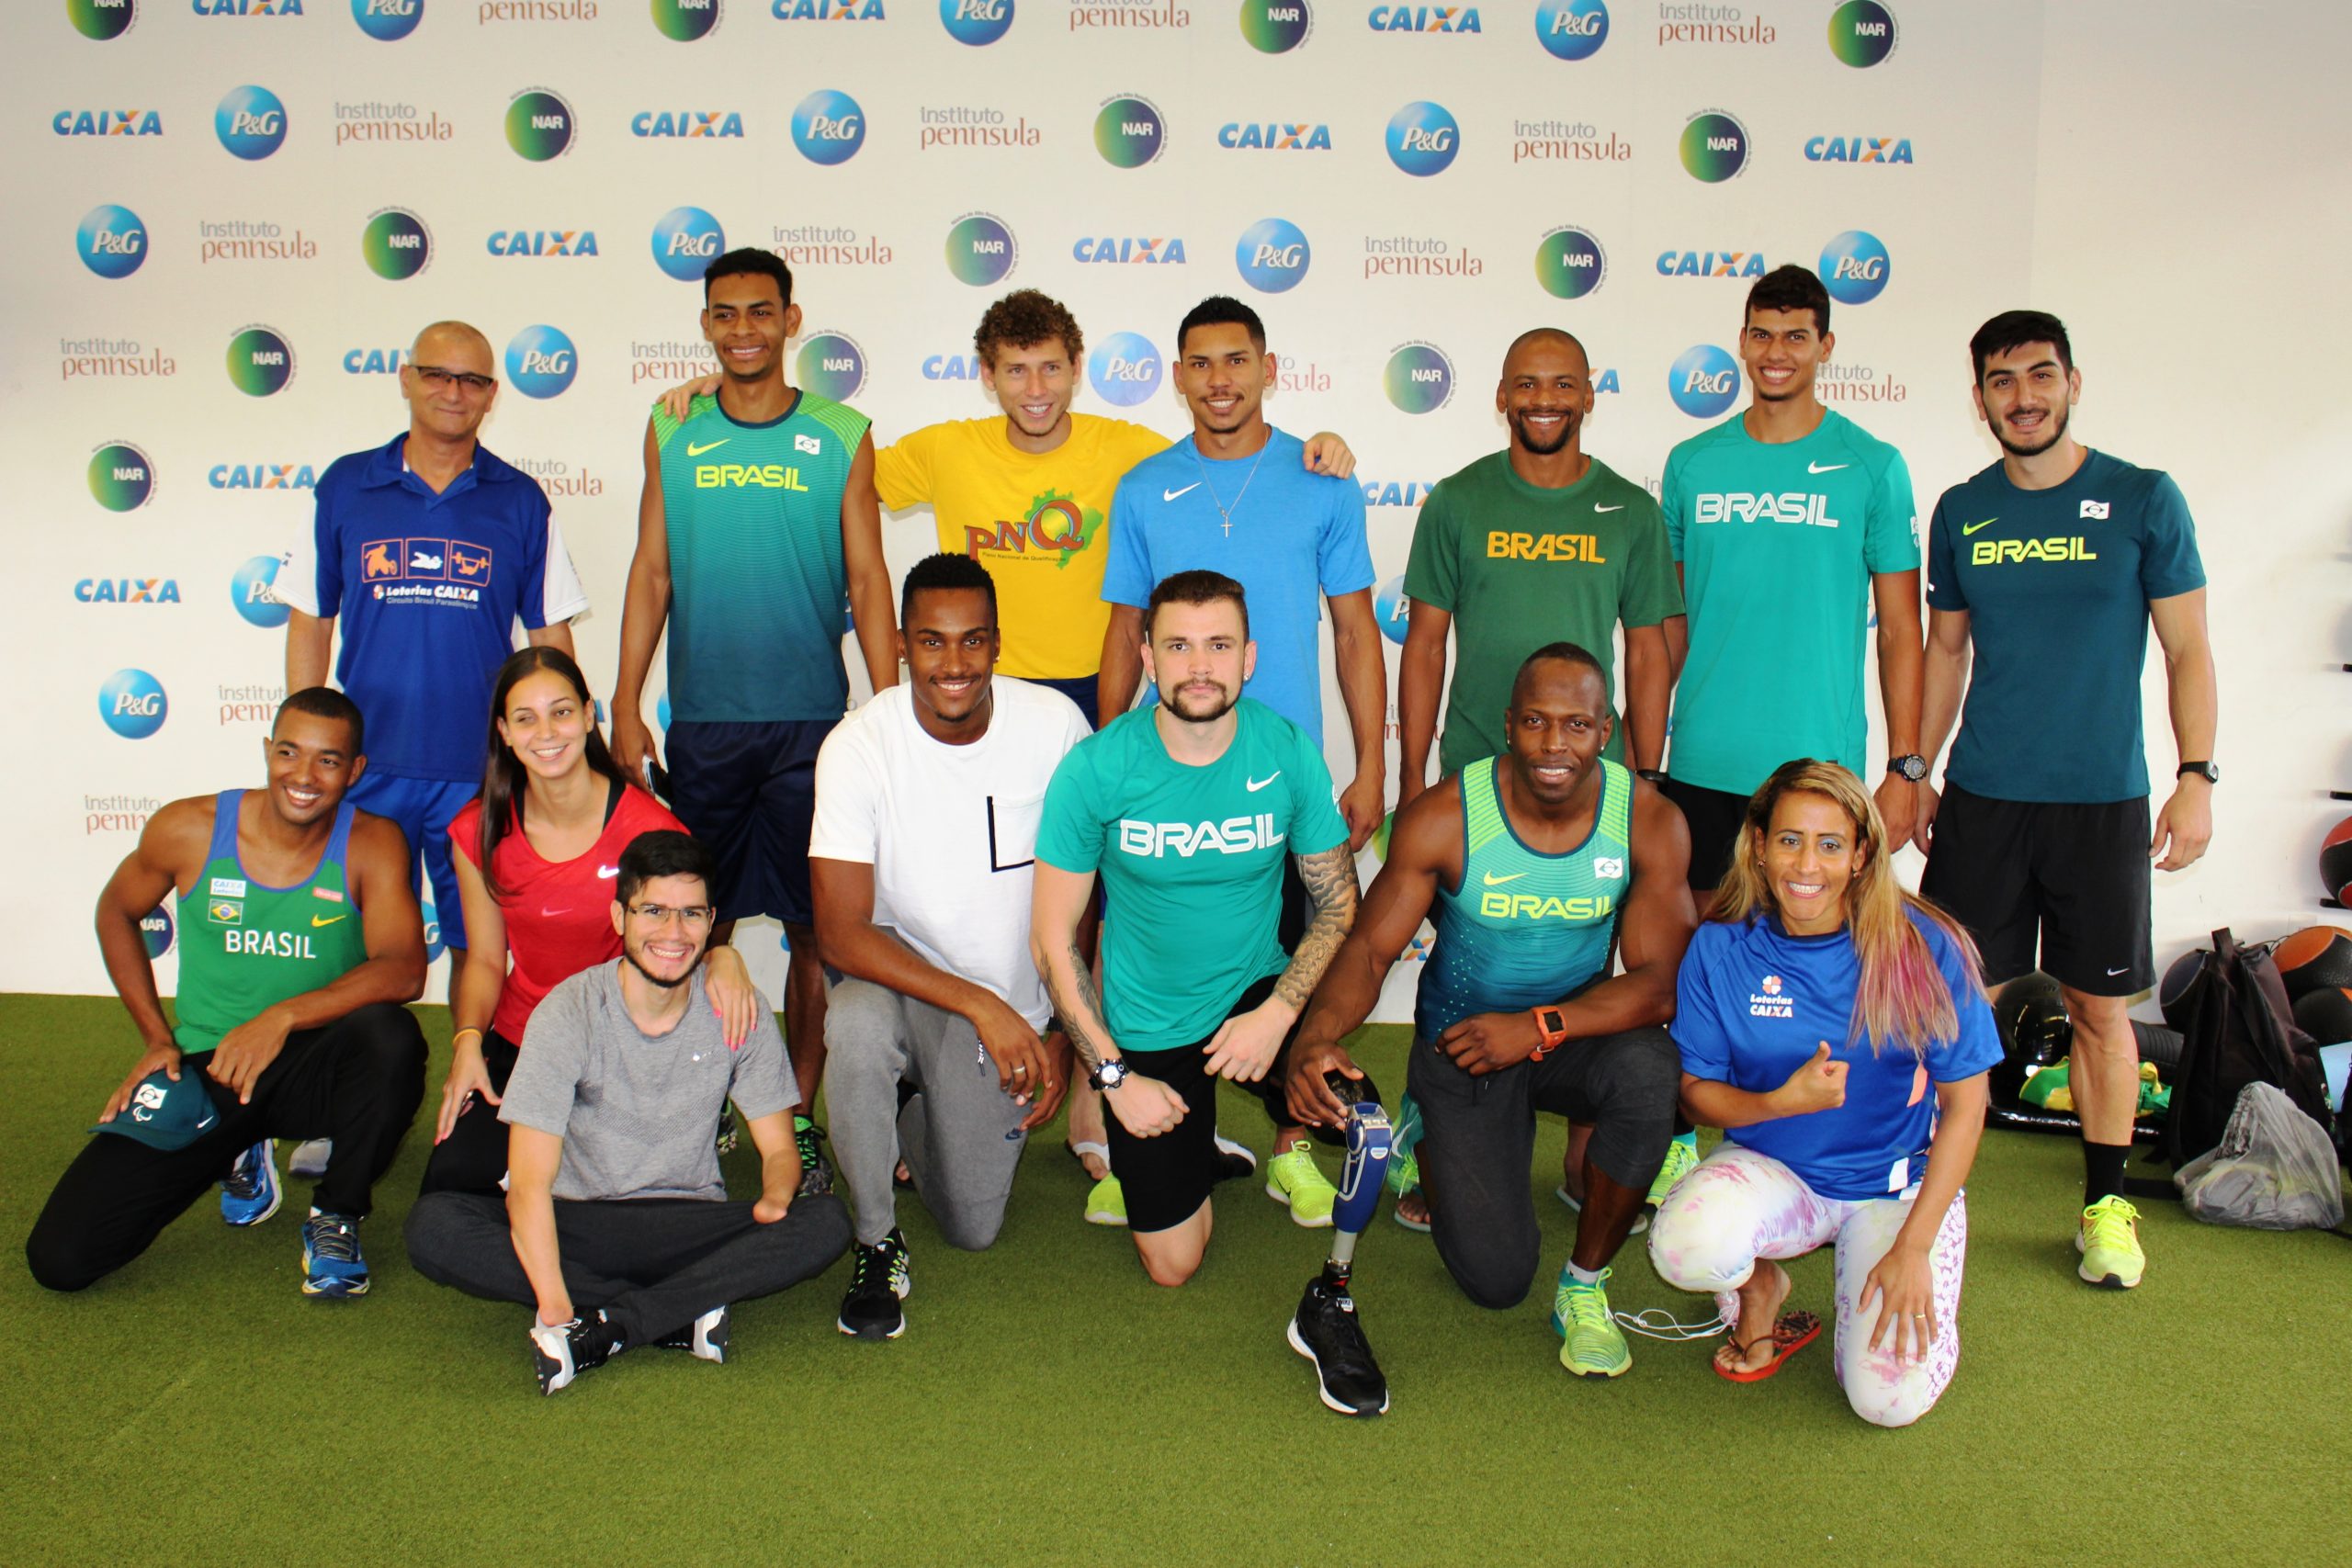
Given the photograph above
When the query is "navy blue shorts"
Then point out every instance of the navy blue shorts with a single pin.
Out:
(423, 808)
(748, 792)
(1080, 689)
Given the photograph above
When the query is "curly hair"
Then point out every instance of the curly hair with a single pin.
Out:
(1023, 318)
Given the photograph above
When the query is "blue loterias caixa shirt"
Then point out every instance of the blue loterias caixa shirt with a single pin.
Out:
(1753, 1003)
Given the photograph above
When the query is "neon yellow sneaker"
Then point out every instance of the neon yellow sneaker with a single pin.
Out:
(1594, 1347)
(1680, 1155)
(1107, 1204)
(2109, 1243)
(1293, 1177)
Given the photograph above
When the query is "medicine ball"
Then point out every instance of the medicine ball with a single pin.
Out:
(2326, 1015)
(2313, 957)
(2172, 992)
(2336, 860)
(2035, 1032)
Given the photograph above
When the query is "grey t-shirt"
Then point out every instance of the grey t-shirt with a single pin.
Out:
(637, 1113)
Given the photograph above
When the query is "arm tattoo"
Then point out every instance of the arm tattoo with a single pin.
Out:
(1330, 879)
(1075, 1006)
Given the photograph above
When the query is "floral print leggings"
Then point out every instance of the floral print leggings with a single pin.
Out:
(1738, 1206)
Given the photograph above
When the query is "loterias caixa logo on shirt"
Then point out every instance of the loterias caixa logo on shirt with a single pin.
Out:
(425, 571)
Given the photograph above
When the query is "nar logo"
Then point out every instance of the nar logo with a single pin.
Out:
(261, 475)
(1424, 18)
(108, 122)
(1858, 149)
(1276, 138)
(688, 124)
(1739, 506)
(1711, 263)
(2094, 509)
(1234, 836)
(1137, 250)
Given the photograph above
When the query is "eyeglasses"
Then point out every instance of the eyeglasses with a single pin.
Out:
(695, 915)
(437, 379)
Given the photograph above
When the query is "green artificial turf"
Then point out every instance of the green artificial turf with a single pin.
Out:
(1047, 1404)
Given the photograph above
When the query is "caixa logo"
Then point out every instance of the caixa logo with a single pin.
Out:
(1423, 138)
(1272, 255)
(101, 19)
(250, 122)
(826, 10)
(132, 703)
(952, 368)
(827, 127)
(1124, 368)
(249, 591)
(261, 475)
(388, 20)
(1393, 610)
(1572, 29)
(107, 122)
(832, 365)
(128, 591)
(1424, 18)
(374, 361)
(1854, 267)
(122, 478)
(1858, 150)
(690, 124)
(685, 242)
(541, 362)
(975, 21)
(112, 241)
(1704, 381)
(683, 21)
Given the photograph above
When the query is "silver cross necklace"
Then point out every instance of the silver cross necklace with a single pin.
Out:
(1225, 512)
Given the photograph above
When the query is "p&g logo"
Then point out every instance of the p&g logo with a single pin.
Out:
(112, 241)
(827, 127)
(1124, 368)
(685, 242)
(1423, 138)
(132, 703)
(1272, 255)
(975, 21)
(1704, 381)
(541, 362)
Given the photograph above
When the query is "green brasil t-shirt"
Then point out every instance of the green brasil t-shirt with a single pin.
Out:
(759, 593)
(1191, 860)
(1778, 543)
(1519, 566)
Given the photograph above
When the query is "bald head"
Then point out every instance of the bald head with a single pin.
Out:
(1545, 392)
(1542, 338)
(443, 336)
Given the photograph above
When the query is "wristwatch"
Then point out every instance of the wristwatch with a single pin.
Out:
(2206, 771)
(1912, 767)
(1110, 1075)
(1653, 775)
(1551, 1031)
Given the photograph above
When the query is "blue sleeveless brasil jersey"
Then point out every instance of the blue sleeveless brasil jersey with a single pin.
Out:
(1524, 928)
(759, 595)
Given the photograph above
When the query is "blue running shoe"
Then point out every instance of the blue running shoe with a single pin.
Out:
(331, 1266)
(250, 1192)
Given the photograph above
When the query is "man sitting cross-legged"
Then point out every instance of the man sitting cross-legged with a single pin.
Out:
(616, 1224)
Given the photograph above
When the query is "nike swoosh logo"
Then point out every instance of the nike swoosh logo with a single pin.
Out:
(1494, 881)
(1257, 784)
(1825, 467)
(326, 919)
(1972, 527)
(1619, 507)
(695, 451)
(2119, 971)
(1172, 494)
(606, 872)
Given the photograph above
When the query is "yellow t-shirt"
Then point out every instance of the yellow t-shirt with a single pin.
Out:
(1036, 521)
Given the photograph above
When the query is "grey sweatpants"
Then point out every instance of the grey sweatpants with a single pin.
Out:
(960, 1134)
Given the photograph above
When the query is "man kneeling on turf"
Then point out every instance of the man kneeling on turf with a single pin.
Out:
(299, 939)
(616, 1224)
(1533, 866)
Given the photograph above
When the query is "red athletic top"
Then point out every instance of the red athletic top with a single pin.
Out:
(559, 913)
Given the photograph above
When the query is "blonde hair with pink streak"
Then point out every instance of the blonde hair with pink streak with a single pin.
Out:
(1903, 996)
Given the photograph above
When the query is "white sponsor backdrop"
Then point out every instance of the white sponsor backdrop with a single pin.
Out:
(2159, 174)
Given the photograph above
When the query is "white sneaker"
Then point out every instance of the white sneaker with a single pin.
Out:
(310, 1159)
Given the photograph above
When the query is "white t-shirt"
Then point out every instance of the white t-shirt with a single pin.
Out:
(951, 831)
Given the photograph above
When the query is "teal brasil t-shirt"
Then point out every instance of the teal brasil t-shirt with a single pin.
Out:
(758, 591)
(1777, 543)
(1191, 860)
(2057, 584)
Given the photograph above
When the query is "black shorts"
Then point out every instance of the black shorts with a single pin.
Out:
(1167, 1178)
(2074, 876)
(1713, 817)
(748, 792)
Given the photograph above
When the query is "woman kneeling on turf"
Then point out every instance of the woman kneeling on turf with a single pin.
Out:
(1818, 1006)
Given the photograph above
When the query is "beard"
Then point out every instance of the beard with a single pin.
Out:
(1569, 427)
(2055, 431)
(1167, 699)
(666, 983)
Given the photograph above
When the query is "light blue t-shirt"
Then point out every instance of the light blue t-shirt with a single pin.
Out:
(1295, 537)
(1753, 1003)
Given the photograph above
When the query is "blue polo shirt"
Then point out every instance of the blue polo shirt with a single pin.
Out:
(427, 588)
(1295, 537)
(1753, 1003)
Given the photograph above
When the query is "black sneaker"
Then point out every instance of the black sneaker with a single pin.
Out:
(705, 1336)
(879, 1283)
(563, 1354)
(1326, 1332)
(816, 1172)
(1235, 1162)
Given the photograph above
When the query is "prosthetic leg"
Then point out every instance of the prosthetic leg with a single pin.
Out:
(1325, 1329)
